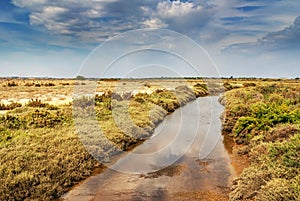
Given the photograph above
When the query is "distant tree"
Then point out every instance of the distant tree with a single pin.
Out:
(80, 77)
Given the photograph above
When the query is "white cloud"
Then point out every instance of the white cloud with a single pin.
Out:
(287, 39)
(185, 17)
(90, 17)
(46, 16)
(29, 3)
(215, 23)
(155, 23)
(52, 11)
(168, 9)
(93, 13)
(235, 25)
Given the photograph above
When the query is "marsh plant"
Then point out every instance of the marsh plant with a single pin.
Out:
(266, 120)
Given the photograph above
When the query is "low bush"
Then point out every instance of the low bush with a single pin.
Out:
(273, 175)
(29, 84)
(84, 102)
(10, 106)
(266, 119)
(36, 103)
(42, 118)
(249, 84)
(201, 85)
(265, 116)
(12, 84)
(49, 84)
(12, 122)
(42, 164)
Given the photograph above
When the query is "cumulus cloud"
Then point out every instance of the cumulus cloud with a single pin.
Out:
(90, 20)
(206, 21)
(154, 23)
(184, 17)
(169, 9)
(96, 20)
(247, 28)
(286, 38)
(29, 4)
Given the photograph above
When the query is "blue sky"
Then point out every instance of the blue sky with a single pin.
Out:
(244, 37)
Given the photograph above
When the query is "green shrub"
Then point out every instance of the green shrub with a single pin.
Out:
(244, 124)
(273, 175)
(12, 122)
(268, 89)
(43, 118)
(266, 120)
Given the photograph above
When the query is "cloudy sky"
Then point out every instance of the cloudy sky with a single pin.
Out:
(243, 37)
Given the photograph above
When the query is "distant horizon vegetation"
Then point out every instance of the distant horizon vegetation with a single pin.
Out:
(80, 77)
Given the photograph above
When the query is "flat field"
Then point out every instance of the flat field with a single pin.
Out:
(42, 155)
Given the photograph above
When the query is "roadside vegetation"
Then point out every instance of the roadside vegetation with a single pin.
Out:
(41, 155)
(264, 120)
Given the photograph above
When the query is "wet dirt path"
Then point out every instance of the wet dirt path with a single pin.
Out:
(191, 141)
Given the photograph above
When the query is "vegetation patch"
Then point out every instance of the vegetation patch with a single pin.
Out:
(42, 156)
(10, 106)
(265, 119)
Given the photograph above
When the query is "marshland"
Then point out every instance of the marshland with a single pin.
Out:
(48, 146)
